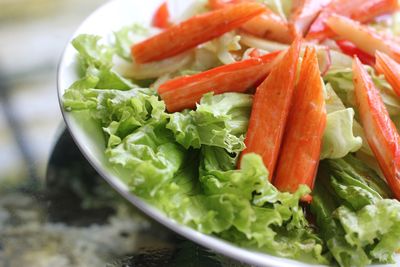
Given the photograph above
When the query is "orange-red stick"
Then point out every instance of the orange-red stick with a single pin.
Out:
(270, 109)
(185, 92)
(389, 68)
(381, 133)
(161, 17)
(350, 49)
(301, 146)
(194, 31)
(268, 25)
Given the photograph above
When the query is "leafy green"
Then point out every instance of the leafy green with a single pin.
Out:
(338, 138)
(219, 120)
(149, 156)
(126, 37)
(332, 232)
(264, 218)
(120, 112)
(96, 65)
(342, 82)
(92, 52)
(358, 224)
(359, 171)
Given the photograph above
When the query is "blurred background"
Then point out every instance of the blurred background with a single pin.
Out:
(33, 34)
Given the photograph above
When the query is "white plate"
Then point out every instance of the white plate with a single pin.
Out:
(88, 135)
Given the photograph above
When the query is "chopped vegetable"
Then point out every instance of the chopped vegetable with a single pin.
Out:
(270, 110)
(194, 31)
(301, 145)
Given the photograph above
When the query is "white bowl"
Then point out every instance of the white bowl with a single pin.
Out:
(88, 136)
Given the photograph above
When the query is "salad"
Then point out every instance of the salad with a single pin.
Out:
(271, 124)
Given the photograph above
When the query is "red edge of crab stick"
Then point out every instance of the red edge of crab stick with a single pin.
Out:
(161, 18)
(350, 49)
(301, 145)
(380, 132)
(389, 68)
(194, 31)
(364, 37)
(268, 25)
(359, 10)
(270, 109)
(185, 92)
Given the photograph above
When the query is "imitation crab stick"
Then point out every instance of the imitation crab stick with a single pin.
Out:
(301, 145)
(364, 37)
(380, 132)
(304, 14)
(268, 25)
(161, 18)
(389, 68)
(185, 92)
(194, 31)
(359, 10)
(350, 49)
(270, 109)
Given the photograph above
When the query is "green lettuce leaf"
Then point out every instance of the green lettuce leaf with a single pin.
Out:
(264, 218)
(126, 37)
(149, 156)
(219, 120)
(358, 224)
(342, 82)
(366, 177)
(339, 139)
(375, 227)
(120, 112)
(332, 232)
(96, 65)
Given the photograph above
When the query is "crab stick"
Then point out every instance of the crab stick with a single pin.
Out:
(380, 132)
(270, 109)
(268, 25)
(185, 92)
(389, 68)
(161, 18)
(301, 146)
(194, 31)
